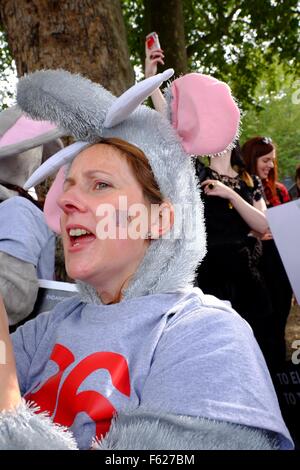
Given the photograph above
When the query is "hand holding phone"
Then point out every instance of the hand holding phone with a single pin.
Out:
(154, 54)
(152, 41)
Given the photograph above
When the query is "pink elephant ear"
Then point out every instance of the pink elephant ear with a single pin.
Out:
(19, 133)
(204, 114)
(52, 211)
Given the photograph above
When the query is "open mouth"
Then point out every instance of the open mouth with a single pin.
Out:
(80, 236)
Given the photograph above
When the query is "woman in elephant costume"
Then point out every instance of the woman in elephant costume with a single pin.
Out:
(139, 359)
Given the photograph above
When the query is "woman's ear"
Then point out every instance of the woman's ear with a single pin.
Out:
(162, 220)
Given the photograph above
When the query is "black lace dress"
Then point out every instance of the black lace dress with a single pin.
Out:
(230, 269)
(276, 278)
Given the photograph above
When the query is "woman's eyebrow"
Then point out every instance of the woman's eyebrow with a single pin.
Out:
(92, 173)
(69, 181)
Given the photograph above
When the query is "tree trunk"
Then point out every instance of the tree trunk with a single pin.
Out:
(85, 36)
(166, 18)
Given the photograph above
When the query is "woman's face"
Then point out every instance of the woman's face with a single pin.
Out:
(265, 164)
(98, 177)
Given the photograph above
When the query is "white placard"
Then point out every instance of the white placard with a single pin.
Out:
(58, 285)
(284, 222)
(49, 294)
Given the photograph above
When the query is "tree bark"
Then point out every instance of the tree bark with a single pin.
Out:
(81, 36)
(167, 19)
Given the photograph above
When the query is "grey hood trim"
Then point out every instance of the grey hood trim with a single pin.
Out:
(80, 106)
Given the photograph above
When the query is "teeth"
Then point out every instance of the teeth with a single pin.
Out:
(77, 232)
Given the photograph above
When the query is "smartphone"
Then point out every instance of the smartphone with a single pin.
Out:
(152, 41)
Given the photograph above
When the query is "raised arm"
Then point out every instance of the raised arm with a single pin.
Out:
(10, 396)
(20, 427)
(154, 57)
(252, 215)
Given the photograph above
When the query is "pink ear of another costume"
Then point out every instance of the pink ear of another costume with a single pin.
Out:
(52, 211)
(25, 129)
(204, 114)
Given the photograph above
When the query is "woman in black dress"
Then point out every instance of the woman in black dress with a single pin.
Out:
(259, 155)
(234, 208)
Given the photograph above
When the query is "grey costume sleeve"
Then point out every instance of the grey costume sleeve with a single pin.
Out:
(22, 429)
(18, 286)
(151, 431)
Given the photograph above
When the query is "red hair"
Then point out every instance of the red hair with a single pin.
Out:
(252, 150)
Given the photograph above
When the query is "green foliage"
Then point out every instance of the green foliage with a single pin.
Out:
(279, 120)
(7, 71)
(235, 40)
(251, 44)
(254, 46)
(5, 57)
(133, 13)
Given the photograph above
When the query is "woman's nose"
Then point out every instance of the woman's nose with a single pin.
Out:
(70, 202)
(271, 164)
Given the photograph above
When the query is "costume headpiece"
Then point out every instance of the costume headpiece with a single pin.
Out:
(24, 144)
(89, 112)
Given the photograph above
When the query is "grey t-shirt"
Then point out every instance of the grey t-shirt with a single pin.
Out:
(25, 235)
(184, 353)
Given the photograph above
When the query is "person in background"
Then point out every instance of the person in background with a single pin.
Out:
(294, 190)
(27, 245)
(259, 155)
(234, 207)
(297, 180)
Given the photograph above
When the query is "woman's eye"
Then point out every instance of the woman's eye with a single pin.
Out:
(101, 185)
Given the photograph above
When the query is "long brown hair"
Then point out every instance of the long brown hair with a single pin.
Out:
(22, 193)
(252, 150)
(239, 166)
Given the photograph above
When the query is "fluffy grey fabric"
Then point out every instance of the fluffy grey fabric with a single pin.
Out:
(145, 431)
(22, 429)
(80, 107)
